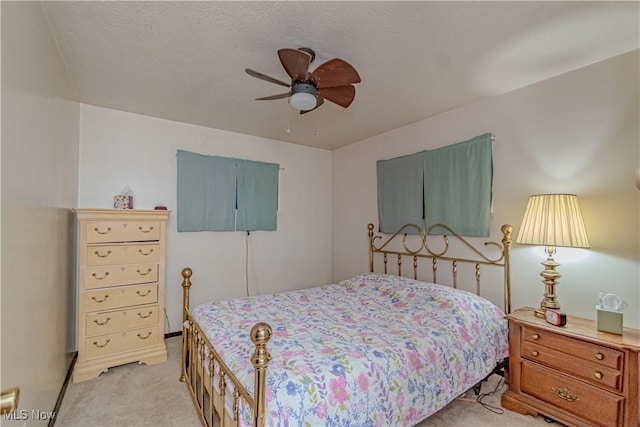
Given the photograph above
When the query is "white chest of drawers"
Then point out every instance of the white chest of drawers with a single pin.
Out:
(121, 274)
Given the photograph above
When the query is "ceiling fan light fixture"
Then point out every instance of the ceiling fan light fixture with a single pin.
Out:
(303, 97)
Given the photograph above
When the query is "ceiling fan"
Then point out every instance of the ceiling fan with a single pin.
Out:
(332, 80)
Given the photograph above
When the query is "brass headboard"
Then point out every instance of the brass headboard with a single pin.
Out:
(424, 251)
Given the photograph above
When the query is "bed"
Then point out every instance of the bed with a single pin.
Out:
(376, 349)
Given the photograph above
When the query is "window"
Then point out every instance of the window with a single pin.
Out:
(225, 194)
(449, 185)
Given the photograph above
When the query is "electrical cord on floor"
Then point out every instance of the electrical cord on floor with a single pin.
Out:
(168, 323)
(481, 397)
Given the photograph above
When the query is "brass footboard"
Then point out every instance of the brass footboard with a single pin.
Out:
(200, 362)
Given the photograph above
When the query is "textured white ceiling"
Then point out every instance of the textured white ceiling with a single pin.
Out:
(185, 61)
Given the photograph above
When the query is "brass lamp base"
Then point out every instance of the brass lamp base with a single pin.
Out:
(550, 279)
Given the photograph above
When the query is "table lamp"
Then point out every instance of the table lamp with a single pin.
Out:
(552, 220)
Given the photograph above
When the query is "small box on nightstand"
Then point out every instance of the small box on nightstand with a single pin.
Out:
(609, 321)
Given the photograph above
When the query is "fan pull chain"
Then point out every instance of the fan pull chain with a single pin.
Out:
(289, 121)
(317, 123)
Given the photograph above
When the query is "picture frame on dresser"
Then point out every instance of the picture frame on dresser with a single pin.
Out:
(573, 374)
(121, 289)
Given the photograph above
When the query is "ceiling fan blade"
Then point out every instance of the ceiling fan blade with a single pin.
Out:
(261, 76)
(269, 98)
(341, 95)
(295, 62)
(319, 103)
(334, 72)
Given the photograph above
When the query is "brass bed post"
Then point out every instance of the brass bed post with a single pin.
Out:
(186, 284)
(260, 335)
(507, 229)
(370, 227)
(212, 409)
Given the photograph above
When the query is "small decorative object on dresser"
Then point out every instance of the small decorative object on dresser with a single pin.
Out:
(121, 277)
(574, 374)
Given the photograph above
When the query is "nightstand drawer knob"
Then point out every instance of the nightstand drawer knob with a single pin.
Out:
(535, 353)
(598, 375)
(599, 356)
(535, 336)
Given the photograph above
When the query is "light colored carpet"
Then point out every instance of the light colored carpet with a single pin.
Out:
(139, 395)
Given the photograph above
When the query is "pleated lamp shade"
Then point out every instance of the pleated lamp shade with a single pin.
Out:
(553, 220)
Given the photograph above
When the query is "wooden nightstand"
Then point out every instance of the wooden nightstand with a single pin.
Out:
(573, 374)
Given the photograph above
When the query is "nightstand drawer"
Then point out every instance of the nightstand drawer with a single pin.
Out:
(118, 275)
(584, 350)
(122, 254)
(588, 402)
(125, 296)
(112, 321)
(122, 231)
(592, 372)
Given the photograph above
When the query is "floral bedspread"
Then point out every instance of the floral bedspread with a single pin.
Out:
(374, 350)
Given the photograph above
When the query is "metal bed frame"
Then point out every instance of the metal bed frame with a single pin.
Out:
(199, 357)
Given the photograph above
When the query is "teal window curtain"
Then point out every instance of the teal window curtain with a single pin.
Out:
(257, 195)
(206, 192)
(400, 183)
(457, 186)
(226, 194)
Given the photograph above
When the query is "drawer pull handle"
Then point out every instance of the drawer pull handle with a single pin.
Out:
(102, 232)
(102, 256)
(95, 276)
(101, 300)
(103, 345)
(564, 393)
(598, 375)
(140, 294)
(599, 356)
(144, 274)
(145, 317)
(145, 231)
(535, 336)
(97, 322)
(144, 338)
(535, 353)
(145, 253)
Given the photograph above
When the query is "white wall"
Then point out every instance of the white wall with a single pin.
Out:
(119, 149)
(577, 133)
(40, 125)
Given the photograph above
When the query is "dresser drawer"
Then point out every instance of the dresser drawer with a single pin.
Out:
(594, 373)
(119, 342)
(122, 254)
(122, 231)
(581, 349)
(117, 275)
(588, 402)
(111, 321)
(121, 297)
